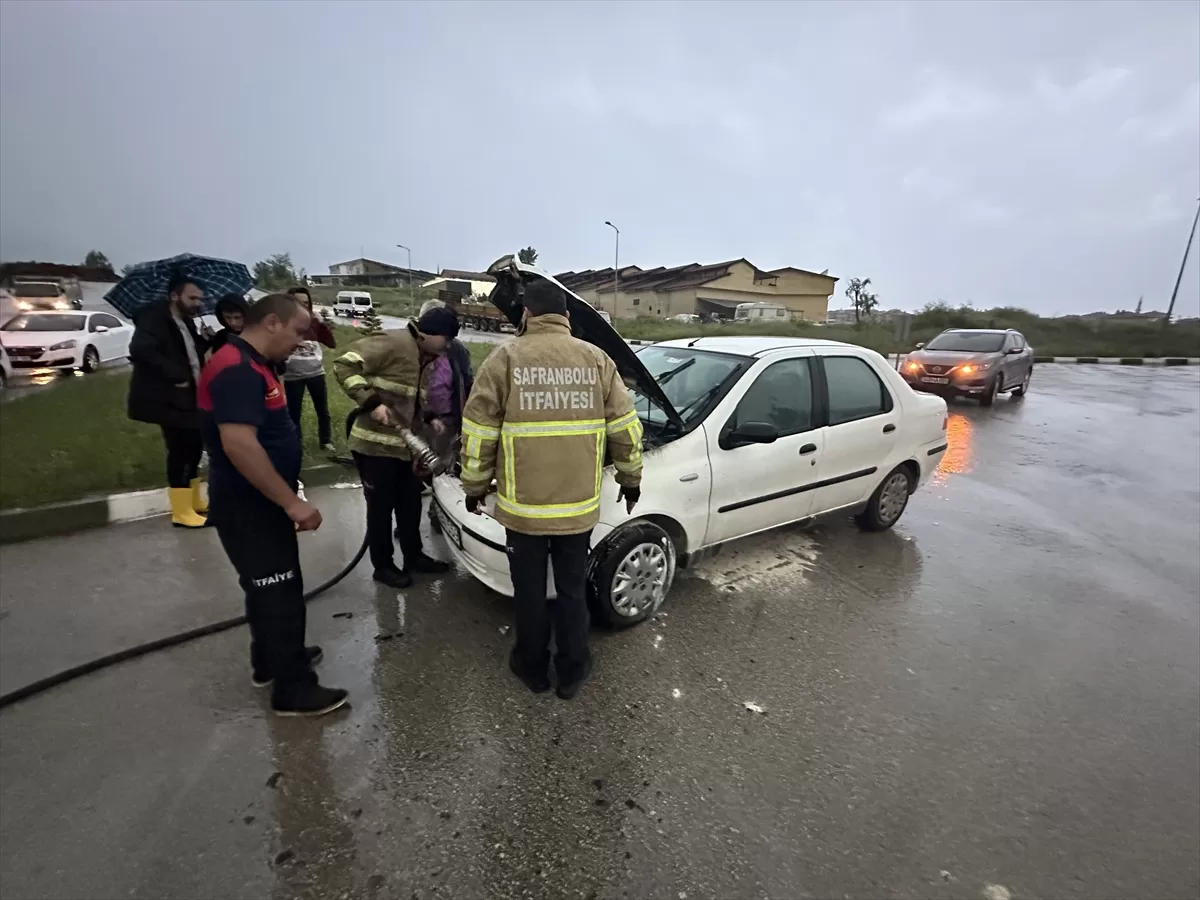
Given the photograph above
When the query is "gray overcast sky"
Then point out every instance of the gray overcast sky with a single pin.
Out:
(1044, 155)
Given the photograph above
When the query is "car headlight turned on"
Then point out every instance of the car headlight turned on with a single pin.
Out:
(970, 369)
(65, 345)
(912, 366)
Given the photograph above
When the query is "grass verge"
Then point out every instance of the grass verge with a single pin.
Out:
(75, 440)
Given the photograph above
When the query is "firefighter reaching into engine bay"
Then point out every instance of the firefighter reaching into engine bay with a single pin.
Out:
(542, 412)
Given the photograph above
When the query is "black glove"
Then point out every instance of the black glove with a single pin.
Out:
(473, 503)
(631, 495)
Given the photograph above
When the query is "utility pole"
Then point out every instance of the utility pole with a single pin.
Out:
(616, 266)
(1178, 278)
(412, 300)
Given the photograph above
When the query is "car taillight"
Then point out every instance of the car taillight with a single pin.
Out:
(945, 419)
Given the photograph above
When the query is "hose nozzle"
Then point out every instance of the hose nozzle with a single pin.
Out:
(422, 451)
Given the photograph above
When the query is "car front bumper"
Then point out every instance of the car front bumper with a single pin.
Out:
(951, 387)
(54, 360)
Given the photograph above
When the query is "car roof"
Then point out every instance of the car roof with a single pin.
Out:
(59, 312)
(982, 330)
(750, 345)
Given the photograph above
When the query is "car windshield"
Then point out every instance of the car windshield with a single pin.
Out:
(968, 341)
(42, 322)
(689, 378)
(39, 289)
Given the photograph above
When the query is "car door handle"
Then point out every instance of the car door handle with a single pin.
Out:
(691, 476)
(807, 449)
(888, 429)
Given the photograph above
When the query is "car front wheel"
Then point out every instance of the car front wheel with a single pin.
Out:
(1023, 388)
(988, 397)
(630, 574)
(888, 502)
(91, 360)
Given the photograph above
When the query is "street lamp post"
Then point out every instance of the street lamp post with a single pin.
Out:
(1186, 251)
(616, 266)
(412, 299)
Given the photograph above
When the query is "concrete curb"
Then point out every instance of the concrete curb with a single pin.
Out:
(94, 512)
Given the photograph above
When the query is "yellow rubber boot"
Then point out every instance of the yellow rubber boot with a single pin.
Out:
(182, 514)
(199, 498)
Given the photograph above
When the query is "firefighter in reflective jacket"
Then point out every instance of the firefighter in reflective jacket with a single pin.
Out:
(541, 412)
(387, 375)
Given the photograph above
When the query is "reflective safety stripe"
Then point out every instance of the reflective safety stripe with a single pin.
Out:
(620, 424)
(550, 510)
(534, 429)
(480, 431)
(629, 468)
(394, 386)
(351, 356)
(354, 381)
(391, 440)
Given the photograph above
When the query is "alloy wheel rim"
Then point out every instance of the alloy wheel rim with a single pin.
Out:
(639, 580)
(893, 497)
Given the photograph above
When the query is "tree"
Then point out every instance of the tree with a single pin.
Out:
(528, 256)
(276, 273)
(97, 260)
(863, 301)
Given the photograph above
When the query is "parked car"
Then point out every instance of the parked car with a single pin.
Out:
(57, 339)
(741, 435)
(353, 304)
(6, 369)
(972, 362)
(685, 318)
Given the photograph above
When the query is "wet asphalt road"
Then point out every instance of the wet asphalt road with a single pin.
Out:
(1001, 697)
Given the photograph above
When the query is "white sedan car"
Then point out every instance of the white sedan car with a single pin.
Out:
(65, 339)
(742, 435)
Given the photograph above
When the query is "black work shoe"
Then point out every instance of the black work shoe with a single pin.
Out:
(539, 684)
(310, 700)
(567, 690)
(393, 578)
(261, 679)
(426, 565)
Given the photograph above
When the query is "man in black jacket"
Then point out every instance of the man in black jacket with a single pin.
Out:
(167, 352)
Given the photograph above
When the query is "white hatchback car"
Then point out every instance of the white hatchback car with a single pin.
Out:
(65, 339)
(742, 435)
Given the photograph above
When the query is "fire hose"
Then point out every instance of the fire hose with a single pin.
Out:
(421, 451)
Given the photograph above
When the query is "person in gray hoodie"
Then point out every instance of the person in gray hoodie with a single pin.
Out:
(306, 372)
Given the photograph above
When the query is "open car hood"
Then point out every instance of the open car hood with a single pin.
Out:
(512, 276)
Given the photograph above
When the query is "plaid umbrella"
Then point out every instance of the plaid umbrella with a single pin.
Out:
(147, 282)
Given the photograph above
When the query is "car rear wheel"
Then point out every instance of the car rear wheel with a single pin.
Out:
(888, 502)
(1023, 388)
(91, 360)
(630, 575)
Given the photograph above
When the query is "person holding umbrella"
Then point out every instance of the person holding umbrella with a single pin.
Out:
(166, 352)
(162, 297)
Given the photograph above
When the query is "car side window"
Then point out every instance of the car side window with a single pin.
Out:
(94, 322)
(1018, 340)
(782, 395)
(855, 391)
(107, 321)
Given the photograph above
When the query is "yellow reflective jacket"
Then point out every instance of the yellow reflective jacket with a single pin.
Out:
(390, 367)
(540, 415)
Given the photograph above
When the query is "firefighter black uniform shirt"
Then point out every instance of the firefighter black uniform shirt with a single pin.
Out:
(239, 386)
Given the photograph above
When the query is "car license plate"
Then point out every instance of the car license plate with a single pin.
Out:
(928, 380)
(449, 529)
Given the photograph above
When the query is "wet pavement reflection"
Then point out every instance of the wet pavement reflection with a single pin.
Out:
(1001, 693)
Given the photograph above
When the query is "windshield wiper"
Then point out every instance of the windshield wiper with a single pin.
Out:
(667, 376)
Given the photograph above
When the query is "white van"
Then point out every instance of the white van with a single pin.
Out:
(353, 304)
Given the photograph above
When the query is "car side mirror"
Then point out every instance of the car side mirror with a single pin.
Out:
(1012, 350)
(755, 433)
(920, 344)
(100, 329)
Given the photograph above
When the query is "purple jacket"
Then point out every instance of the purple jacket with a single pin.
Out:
(439, 400)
